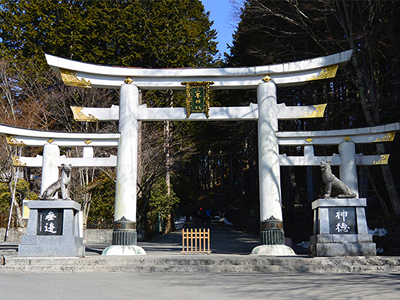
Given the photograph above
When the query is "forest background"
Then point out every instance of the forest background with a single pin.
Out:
(188, 167)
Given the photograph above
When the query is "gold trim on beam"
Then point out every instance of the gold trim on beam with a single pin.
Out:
(50, 141)
(70, 78)
(13, 142)
(266, 78)
(383, 161)
(17, 162)
(347, 138)
(87, 142)
(317, 113)
(388, 137)
(325, 73)
(197, 83)
(128, 80)
(309, 140)
(81, 117)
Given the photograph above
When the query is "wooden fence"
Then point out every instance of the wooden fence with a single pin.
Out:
(196, 241)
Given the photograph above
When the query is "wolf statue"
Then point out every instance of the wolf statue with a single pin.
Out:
(60, 184)
(331, 181)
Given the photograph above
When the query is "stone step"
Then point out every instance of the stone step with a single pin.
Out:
(204, 264)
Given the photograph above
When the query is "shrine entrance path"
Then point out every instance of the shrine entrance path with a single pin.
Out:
(230, 255)
(224, 240)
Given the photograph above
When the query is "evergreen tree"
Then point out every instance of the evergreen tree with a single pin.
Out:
(138, 33)
(364, 94)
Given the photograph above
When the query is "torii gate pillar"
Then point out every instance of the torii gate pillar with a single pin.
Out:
(348, 167)
(51, 155)
(271, 222)
(124, 240)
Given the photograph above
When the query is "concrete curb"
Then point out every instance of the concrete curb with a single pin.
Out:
(203, 264)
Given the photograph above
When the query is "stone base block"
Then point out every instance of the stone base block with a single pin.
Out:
(342, 249)
(341, 238)
(273, 250)
(53, 230)
(340, 228)
(51, 250)
(51, 246)
(124, 250)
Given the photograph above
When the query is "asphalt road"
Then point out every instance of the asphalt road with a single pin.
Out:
(198, 286)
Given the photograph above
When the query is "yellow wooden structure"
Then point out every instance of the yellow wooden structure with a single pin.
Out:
(196, 241)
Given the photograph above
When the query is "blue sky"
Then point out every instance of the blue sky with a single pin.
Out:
(221, 12)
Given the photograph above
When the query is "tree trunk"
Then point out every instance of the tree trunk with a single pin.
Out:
(168, 163)
(389, 182)
(13, 194)
(20, 222)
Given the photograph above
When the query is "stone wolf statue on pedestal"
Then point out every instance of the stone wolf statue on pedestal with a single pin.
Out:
(60, 184)
(331, 181)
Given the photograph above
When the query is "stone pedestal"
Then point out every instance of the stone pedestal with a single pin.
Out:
(340, 228)
(53, 230)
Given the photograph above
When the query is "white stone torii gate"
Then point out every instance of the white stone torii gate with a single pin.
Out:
(264, 78)
(345, 139)
(51, 141)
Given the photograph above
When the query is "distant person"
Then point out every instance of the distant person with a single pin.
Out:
(208, 216)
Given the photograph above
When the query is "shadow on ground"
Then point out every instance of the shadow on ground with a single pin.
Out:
(224, 240)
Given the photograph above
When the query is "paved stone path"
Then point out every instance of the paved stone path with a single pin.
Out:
(198, 286)
(226, 244)
(224, 240)
(230, 254)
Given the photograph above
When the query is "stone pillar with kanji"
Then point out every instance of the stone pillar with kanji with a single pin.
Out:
(340, 228)
(53, 230)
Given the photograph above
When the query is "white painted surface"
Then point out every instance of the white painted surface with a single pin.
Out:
(335, 137)
(51, 155)
(67, 142)
(360, 160)
(88, 152)
(124, 250)
(287, 74)
(80, 224)
(232, 113)
(308, 161)
(90, 162)
(37, 161)
(268, 153)
(179, 113)
(348, 167)
(273, 250)
(367, 160)
(39, 138)
(18, 131)
(125, 196)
